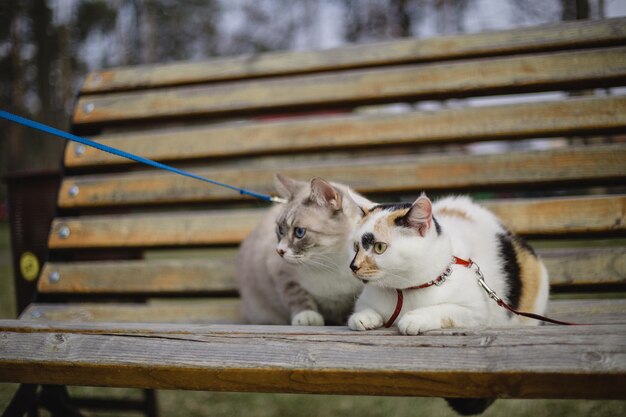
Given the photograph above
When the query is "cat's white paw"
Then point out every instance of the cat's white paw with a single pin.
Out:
(365, 320)
(307, 318)
(413, 323)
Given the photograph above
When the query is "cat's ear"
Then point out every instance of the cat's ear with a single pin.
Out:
(325, 194)
(286, 187)
(420, 215)
(361, 203)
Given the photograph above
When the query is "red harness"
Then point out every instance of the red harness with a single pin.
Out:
(443, 277)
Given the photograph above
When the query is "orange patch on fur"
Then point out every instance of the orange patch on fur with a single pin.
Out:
(447, 323)
(453, 212)
(530, 277)
(365, 263)
(383, 225)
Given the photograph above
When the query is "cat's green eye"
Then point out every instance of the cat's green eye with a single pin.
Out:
(299, 232)
(356, 246)
(380, 247)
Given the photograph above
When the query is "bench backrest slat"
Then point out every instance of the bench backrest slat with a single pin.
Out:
(409, 174)
(558, 217)
(562, 36)
(526, 120)
(202, 277)
(542, 72)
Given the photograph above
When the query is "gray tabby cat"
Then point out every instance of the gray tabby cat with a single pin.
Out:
(292, 267)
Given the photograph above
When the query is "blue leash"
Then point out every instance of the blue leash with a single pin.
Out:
(56, 132)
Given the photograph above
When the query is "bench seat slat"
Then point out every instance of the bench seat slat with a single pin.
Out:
(548, 37)
(543, 119)
(553, 216)
(226, 310)
(548, 361)
(577, 266)
(543, 72)
(390, 174)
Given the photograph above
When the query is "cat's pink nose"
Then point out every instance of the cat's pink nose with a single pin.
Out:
(280, 251)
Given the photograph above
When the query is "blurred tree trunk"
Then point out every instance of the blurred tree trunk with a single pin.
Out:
(148, 33)
(42, 19)
(575, 9)
(17, 88)
(66, 76)
(401, 19)
(353, 22)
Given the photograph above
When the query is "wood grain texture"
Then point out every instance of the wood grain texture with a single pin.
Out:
(562, 215)
(588, 68)
(215, 310)
(175, 229)
(366, 175)
(550, 37)
(566, 267)
(186, 276)
(553, 216)
(585, 266)
(547, 362)
(564, 117)
(226, 310)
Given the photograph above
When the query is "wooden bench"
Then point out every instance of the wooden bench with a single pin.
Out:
(128, 242)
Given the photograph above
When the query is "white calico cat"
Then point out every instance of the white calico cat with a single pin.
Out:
(399, 246)
(292, 267)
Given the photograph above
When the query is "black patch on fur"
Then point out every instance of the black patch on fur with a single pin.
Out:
(523, 244)
(367, 240)
(510, 268)
(437, 226)
(391, 206)
(519, 240)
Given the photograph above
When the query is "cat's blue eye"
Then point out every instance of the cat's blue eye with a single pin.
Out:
(299, 232)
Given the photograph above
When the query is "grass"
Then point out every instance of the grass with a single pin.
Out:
(196, 404)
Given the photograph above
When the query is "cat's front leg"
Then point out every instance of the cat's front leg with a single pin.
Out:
(436, 317)
(365, 320)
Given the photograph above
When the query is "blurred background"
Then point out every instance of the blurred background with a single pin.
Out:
(48, 46)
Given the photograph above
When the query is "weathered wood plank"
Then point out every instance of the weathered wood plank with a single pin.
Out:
(215, 310)
(226, 310)
(553, 216)
(585, 266)
(566, 267)
(564, 117)
(370, 175)
(598, 311)
(589, 68)
(547, 362)
(562, 215)
(189, 276)
(550, 37)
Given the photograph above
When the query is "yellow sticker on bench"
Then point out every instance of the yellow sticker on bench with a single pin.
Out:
(29, 266)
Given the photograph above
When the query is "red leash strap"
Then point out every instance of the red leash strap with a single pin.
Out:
(481, 281)
(492, 294)
(396, 312)
(501, 303)
(437, 281)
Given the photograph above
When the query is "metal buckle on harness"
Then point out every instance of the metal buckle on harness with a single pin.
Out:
(481, 281)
